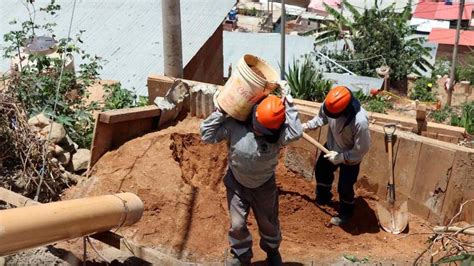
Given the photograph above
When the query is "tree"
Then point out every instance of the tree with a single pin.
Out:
(379, 37)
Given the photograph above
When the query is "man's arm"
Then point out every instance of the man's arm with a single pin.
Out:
(361, 144)
(213, 129)
(320, 120)
(292, 129)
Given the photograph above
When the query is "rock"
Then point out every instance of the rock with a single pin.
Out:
(58, 133)
(69, 145)
(64, 157)
(40, 120)
(55, 149)
(80, 159)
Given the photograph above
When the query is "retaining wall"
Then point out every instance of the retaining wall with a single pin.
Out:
(434, 176)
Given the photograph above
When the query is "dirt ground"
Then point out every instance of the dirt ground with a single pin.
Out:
(179, 179)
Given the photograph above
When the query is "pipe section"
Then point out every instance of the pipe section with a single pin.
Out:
(38, 225)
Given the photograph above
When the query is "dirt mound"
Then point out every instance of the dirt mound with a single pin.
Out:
(179, 178)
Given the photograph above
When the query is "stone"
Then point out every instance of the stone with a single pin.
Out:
(80, 160)
(58, 133)
(69, 145)
(64, 157)
(40, 120)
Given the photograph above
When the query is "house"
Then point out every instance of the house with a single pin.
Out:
(445, 38)
(444, 11)
(128, 35)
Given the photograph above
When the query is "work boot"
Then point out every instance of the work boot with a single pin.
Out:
(274, 258)
(242, 260)
(339, 220)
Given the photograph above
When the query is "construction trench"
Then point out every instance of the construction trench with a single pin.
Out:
(185, 219)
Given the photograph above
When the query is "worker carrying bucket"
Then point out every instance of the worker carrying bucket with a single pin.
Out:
(253, 149)
(348, 141)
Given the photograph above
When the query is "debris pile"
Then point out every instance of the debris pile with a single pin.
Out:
(22, 165)
(62, 150)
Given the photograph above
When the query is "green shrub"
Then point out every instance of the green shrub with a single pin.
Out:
(440, 68)
(442, 114)
(466, 120)
(118, 97)
(377, 103)
(423, 90)
(306, 81)
(35, 85)
(466, 72)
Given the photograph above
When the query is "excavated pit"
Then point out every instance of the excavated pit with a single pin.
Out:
(179, 178)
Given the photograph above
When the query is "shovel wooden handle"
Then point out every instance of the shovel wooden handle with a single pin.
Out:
(315, 143)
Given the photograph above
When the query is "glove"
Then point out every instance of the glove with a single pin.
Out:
(285, 91)
(305, 126)
(216, 104)
(334, 157)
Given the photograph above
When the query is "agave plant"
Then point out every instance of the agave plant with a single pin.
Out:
(306, 81)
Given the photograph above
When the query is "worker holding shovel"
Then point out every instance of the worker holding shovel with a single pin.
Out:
(253, 150)
(348, 141)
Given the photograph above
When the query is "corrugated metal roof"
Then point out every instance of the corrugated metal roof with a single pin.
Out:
(265, 46)
(127, 34)
(426, 25)
(441, 11)
(354, 83)
(448, 36)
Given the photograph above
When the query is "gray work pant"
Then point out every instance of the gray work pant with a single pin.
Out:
(264, 203)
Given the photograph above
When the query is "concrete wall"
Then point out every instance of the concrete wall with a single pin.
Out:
(434, 176)
(207, 64)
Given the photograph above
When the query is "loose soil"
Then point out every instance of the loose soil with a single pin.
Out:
(179, 178)
(257, 72)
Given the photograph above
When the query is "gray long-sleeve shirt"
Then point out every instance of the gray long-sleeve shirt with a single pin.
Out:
(353, 141)
(251, 158)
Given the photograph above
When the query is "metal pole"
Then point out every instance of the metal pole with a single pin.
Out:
(282, 49)
(455, 54)
(172, 44)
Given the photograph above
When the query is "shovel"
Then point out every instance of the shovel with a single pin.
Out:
(315, 143)
(393, 216)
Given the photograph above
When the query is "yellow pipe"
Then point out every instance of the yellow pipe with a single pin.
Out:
(38, 225)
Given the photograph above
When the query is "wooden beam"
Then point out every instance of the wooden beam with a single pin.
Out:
(128, 114)
(15, 199)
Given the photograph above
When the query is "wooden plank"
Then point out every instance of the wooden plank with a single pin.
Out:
(312, 108)
(128, 114)
(101, 141)
(15, 199)
(458, 184)
(433, 173)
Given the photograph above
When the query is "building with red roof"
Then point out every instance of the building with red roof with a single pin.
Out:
(442, 11)
(445, 38)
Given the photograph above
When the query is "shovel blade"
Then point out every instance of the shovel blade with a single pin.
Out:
(393, 218)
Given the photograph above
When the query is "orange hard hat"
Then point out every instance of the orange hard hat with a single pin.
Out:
(270, 112)
(337, 101)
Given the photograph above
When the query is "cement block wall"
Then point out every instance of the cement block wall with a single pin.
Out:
(434, 176)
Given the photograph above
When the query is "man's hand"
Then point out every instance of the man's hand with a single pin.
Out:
(216, 104)
(305, 126)
(285, 91)
(334, 157)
